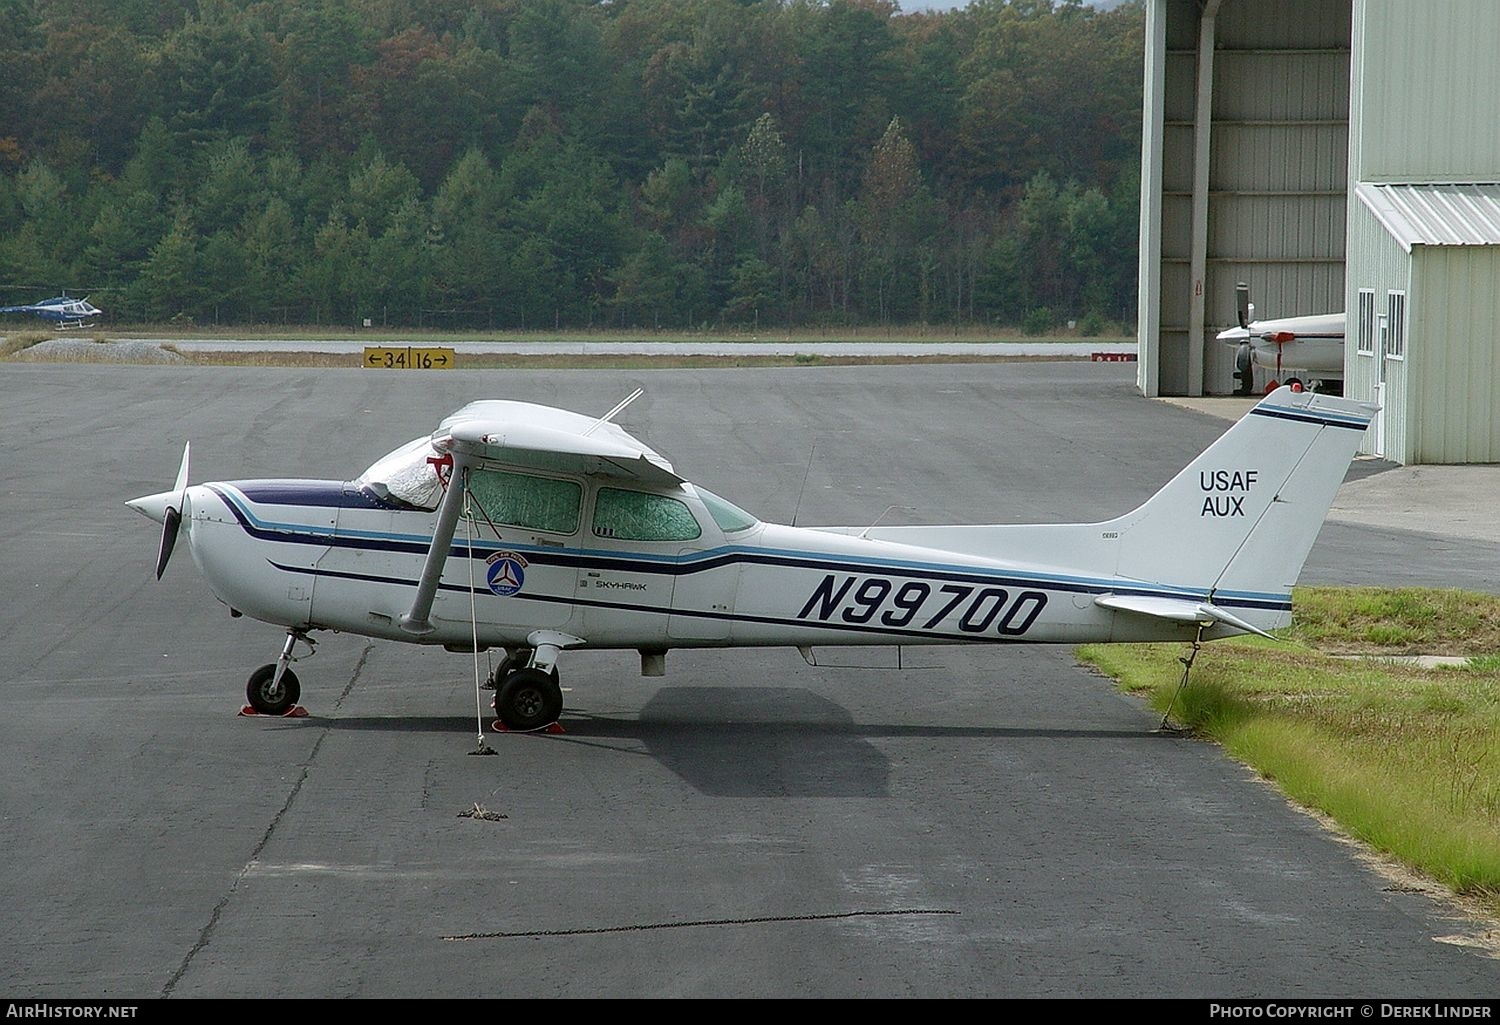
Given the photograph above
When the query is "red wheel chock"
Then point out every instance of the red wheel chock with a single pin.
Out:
(295, 712)
(556, 729)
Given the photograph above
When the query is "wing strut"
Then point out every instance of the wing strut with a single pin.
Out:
(418, 620)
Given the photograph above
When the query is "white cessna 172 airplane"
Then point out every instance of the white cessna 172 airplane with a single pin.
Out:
(575, 534)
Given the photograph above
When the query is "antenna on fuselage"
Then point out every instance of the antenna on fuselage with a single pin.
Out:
(810, 453)
(866, 531)
(607, 417)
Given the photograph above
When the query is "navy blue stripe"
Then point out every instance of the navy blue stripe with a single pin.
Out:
(321, 494)
(1311, 418)
(324, 494)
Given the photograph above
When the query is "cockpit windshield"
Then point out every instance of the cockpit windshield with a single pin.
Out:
(405, 476)
(726, 514)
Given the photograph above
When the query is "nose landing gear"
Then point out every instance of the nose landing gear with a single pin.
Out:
(273, 689)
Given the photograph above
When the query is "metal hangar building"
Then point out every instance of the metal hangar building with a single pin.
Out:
(1281, 135)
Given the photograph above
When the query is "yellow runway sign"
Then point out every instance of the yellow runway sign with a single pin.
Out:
(408, 358)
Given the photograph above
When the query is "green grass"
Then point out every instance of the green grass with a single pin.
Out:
(1398, 621)
(1405, 759)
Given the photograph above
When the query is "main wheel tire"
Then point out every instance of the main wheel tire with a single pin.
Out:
(528, 700)
(257, 691)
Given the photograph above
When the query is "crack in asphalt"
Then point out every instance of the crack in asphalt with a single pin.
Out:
(649, 926)
(206, 933)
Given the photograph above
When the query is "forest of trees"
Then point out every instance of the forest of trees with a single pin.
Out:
(566, 163)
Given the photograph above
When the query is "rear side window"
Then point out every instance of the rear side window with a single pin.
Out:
(521, 500)
(637, 516)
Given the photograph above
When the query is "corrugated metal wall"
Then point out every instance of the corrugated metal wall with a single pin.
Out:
(1287, 140)
(1432, 92)
(1377, 261)
(1277, 173)
(1425, 105)
(1455, 305)
(1175, 195)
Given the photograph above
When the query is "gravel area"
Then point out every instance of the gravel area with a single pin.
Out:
(84, 350)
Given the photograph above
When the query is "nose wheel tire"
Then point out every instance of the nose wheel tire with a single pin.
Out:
(529, 700)
(509, 664)
(258, 691)
(1244, 370)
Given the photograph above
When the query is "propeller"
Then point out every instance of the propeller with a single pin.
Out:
(1243, 358)
(166, 508)
(169, 527)
(173, 519)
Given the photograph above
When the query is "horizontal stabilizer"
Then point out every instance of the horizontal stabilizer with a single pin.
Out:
(1178, 610)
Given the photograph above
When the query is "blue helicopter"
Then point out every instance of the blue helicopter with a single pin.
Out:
(65, 312)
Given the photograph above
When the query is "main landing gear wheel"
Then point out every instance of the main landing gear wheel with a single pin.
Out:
(258, 691)
(529, 699)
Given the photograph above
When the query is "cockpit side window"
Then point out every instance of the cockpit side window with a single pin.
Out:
(638, 516)
(726, 514)
(527, 501)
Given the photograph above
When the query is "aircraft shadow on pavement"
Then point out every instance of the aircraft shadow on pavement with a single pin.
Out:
(754, 742)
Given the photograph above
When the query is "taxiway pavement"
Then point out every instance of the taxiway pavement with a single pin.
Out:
(979, 822)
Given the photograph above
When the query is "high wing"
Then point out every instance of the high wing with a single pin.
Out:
(523, 434)
(526, 435)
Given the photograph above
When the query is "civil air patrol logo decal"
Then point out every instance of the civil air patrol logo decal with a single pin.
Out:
(506, 573)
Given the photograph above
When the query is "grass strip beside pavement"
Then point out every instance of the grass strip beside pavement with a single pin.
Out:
(1404, 758)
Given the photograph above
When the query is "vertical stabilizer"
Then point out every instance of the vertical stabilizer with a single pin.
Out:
(1241, 518)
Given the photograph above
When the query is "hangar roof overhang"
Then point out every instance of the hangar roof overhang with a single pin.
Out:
(1436, 215)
